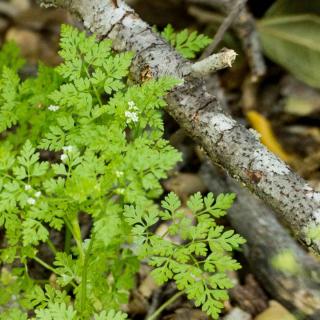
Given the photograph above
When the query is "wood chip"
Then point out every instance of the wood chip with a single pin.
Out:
(275, 312)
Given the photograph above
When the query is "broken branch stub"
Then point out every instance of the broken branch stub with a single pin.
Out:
(215, 62)
(227, 143)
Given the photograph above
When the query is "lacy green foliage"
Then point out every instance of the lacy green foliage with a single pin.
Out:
(60, 311)
(10, 57)
(80, 145)
(188, 44)
(290, 32)
(77, 139)
(194, 251)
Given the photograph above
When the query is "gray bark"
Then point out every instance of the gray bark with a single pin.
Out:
(226, 142)
(266, 240)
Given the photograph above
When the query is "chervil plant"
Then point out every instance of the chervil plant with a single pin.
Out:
(81, 159)
(198, 261)
(188, 44)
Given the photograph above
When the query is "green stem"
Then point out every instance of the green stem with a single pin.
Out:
(44, 264)
(52, 246)
(41, 281)
(47, 266)
(67, 240)
(76, 232)
(157, 313)
(93, 87)
(68, 224)
(84, 278)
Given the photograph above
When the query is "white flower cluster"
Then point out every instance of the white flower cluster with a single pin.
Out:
(132, 115)
(64, 157)
(31, 200)
(53, 108)
(37, 194)
(119, 174)
(66, 150)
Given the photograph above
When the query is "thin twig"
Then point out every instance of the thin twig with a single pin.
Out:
(244, 26)
(234, 13)
(155, 302)
(52, 246)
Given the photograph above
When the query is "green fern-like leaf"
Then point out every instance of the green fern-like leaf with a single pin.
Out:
(9, 98)
(199, 265)
(81, 145)
(10, 57)
(188, 44)
(111, 315)
(56, 311)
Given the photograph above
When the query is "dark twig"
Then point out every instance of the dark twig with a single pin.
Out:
(244, 26)
(155, 302)
(234, 13)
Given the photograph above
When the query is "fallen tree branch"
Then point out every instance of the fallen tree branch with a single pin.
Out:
(226, 141)
(267, 241)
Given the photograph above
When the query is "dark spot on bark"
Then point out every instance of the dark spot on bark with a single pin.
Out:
(146, 74)
(115, 3)
(254, 175)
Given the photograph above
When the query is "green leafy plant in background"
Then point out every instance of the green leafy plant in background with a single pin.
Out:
(188, 44)
(290, 35)
(81, 146)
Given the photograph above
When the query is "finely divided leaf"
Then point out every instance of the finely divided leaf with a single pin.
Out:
(188, 44)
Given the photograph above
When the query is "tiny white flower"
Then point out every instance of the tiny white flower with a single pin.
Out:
(65, 277)
(119, 174)
(53, 108)
(27, 187)
(37, 194)
(31, 201)
(131, 116)
(67, 148)
(63, 157)
(86, 244)
(132, 106)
